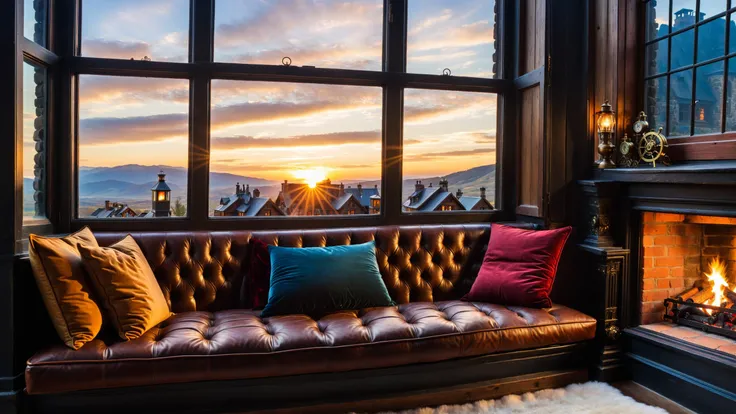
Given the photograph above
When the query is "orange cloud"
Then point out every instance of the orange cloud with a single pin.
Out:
(314, 140)
(115, 49)
(448, 154)
(124, 90)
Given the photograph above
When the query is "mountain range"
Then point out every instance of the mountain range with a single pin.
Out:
(132, 184)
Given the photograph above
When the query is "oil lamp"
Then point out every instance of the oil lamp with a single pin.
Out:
(606, 125)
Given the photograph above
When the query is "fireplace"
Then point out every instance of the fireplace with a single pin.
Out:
(652, 238)
(689, 276)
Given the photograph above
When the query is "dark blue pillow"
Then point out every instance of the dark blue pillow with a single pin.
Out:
(318, 280)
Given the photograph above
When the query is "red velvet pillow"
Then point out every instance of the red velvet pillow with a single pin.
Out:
(258, 280)
(519, 267)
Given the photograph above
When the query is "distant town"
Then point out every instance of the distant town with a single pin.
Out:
(323, 198)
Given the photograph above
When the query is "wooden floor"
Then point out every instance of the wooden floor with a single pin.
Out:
(646, 396)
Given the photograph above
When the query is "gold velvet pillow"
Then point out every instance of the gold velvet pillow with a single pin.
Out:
(61, 278)
(126, 287)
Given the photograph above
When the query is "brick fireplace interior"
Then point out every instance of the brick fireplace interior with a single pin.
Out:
(678, 250)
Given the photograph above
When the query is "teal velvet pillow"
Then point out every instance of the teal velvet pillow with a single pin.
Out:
(318, 280)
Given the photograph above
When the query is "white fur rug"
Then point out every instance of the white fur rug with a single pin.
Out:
(588, 398)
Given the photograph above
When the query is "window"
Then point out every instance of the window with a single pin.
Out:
(136, 29)
(303, 147)
(449, 150)
(35, 15)
(133, 146)
(173, 120)
(34, 141)
(344, 34)
(457, 35)
(687, 67)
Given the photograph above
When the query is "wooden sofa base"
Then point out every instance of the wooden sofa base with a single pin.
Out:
(447, 382)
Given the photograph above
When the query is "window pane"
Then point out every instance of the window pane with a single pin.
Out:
(130, 130)
(710, 8)
(682, 49)
(656, 57)
(34, 141)
(286, 149)
(658, 18)
(731, 96)
(344, 34)
(683, 13)
(681, 98)
(712, 40)
(656, 102)
(35, 14)
(458, 35)
(732, 34)
(136, 29)
(449, 151)
(708, 98)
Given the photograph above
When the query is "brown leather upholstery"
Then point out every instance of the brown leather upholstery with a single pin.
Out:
(211, 339)
(204, 270)
(237, 344)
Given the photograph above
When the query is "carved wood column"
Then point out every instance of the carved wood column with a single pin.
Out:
(608, 263)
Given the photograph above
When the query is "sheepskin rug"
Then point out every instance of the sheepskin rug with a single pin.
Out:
(588, 398)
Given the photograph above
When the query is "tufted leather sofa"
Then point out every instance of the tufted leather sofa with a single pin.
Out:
(213, 336)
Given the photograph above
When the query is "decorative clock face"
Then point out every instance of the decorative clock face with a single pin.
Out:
(625, 147)
(638, 127)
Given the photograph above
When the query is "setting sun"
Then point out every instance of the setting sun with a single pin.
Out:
(312, 176)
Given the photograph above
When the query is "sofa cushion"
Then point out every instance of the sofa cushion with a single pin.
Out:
(126, 286)
(62, 281)
(321, 280)
(238, 344)
(519, 266)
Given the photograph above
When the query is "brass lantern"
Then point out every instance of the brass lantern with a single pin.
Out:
(606, 125)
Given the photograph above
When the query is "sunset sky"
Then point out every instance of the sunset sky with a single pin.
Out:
(271, 130)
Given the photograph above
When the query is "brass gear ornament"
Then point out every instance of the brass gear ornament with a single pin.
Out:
(652, 148)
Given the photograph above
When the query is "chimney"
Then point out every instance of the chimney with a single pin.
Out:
(247, 189)
(256, 193)
(459, 193)
(419, 186)
(107, 205)
(342, 189)
(483, 193)
(360, 190)
(283, 186)
(237, 188)
(443, 184)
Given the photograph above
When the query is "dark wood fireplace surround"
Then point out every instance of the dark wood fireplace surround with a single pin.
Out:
(697, 377)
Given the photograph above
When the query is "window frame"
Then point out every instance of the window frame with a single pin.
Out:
(201, 70)
(34, 54)
(693, 147)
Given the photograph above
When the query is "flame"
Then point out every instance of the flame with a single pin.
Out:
(719, 284)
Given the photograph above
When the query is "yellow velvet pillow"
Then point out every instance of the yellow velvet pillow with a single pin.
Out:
(126, 287)
(61, 278)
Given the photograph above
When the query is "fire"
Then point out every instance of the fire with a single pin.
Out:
(719, 284)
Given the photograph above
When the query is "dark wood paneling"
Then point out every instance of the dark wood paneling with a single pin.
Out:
(530, 85)
(531, 153)
(10, 104)
(532, 41)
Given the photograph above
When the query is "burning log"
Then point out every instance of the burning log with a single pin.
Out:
(731, 296)
(701, 297)
(688, 293)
